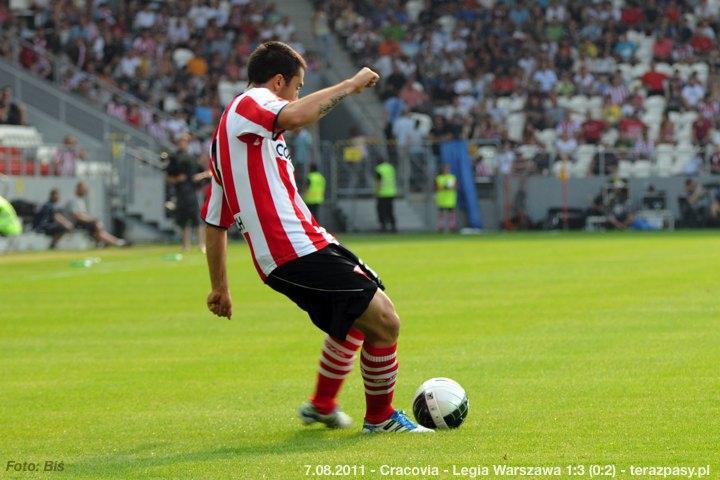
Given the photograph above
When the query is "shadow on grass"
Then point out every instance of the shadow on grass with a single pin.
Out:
(143, 457)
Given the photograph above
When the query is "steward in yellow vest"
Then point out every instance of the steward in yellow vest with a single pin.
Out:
(314, 195)
(446, 198)
(386, 190)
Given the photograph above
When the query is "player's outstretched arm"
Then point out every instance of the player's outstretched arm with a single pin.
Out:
(218, 301)
(313, 107)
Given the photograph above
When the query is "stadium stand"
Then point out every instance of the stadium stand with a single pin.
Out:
(638, 75)
(161, 67)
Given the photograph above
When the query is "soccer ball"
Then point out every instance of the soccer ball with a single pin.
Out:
(440, 403)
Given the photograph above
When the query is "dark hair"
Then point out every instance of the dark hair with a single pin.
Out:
(271, 58)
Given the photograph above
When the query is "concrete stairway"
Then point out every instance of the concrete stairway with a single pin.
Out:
(366, 109)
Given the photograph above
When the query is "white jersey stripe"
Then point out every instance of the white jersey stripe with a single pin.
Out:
(256, 176)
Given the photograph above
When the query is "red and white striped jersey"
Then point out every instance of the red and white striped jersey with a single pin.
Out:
(253, 184)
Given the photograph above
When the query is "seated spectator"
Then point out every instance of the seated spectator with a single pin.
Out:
(585, 81)
(504, 83)
(67, 156)
(693, 206)
(545, 77)
(693, 92)
(655, 82)
(644, 148)
(667, 130)
(624, 48)
(76, 210)
(631, 130)
(701, 130)
(620, 215)
(612, 113)
(618, 92)
(591, 131)
(565, 87)
(714, 163)
(566, 146)
(11, 113)
(535, 112)
(50, 221)
(554, 112)
(568, 125)
(662, 50)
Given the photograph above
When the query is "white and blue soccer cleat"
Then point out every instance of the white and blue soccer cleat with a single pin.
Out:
(398, 422)
(308, 414)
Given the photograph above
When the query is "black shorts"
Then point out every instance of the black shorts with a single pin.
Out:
(332, 285)
(187, 215)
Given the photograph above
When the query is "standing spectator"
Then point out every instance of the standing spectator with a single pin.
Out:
(67, 156)
(302, 151)
(50, 221)
(185, 174)
(11, 113)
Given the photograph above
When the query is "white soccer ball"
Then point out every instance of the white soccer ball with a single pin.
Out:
(440, 403)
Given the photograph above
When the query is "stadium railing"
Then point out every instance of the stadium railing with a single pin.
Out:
(351, 163)
(63, 75)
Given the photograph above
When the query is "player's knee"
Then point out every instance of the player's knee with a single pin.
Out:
(390, 322)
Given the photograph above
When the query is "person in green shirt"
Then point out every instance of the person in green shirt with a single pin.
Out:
(10, 224)
(446, 199)
(386, 190)
(314, 194)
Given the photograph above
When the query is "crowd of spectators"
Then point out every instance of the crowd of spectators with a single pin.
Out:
(547, 75)
(185, 58)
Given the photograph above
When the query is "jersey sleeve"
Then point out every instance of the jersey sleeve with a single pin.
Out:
(256, 113)
(216, 211)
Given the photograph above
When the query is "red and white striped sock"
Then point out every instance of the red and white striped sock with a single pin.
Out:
(379, 367)
(336, 363)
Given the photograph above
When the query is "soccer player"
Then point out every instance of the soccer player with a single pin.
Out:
(253, 186)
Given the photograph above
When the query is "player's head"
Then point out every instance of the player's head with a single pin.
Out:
(276, 66)
(54, 195)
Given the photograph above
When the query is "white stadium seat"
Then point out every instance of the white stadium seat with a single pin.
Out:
(624, 169)
(20, 136)
(642, 168)
(515, 126)
(547, 137)
(527, 151)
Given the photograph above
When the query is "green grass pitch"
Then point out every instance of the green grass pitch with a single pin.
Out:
(574, 349)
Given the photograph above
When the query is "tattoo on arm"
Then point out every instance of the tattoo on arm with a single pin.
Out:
(325, 108)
